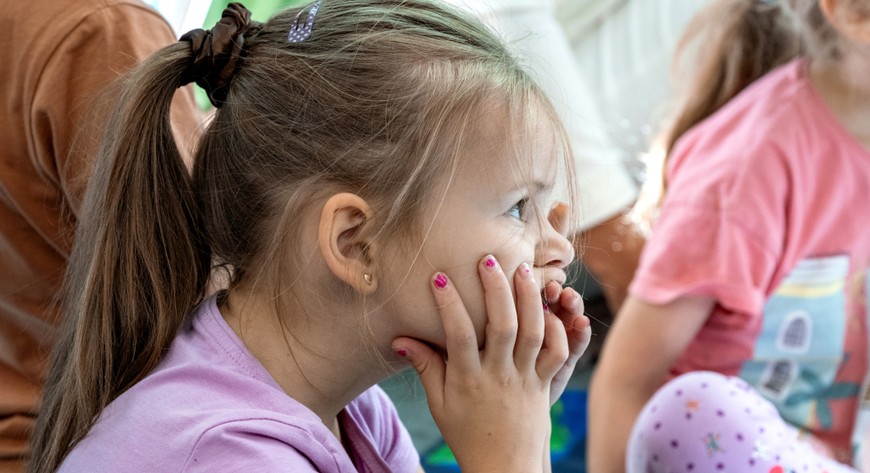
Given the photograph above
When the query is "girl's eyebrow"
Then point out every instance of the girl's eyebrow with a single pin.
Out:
(541, 186)
(534, 188)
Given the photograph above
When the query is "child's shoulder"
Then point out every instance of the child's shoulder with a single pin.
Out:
(771, 136)
(770, 107)
(211, 405)
(179, 436)
(766, 120)
(208, 400)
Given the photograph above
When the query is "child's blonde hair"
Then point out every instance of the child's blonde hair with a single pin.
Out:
(376, 101)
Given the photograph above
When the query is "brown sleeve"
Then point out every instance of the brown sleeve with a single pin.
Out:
(73, 98)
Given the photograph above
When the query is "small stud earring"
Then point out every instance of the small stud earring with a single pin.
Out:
(368, 278)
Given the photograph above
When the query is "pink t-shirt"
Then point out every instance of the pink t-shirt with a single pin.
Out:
(767, 213)
(211, 406)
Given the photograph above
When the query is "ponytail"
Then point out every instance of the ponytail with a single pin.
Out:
(732, 43)
(139, 263)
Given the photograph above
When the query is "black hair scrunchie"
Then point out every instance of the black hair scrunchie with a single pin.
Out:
(217, 53)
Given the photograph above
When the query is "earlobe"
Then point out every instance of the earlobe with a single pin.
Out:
(342, 238)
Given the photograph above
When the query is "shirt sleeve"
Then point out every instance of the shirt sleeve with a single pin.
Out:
(257, 445)
(73, 93)
(702, 252)
(721, 230)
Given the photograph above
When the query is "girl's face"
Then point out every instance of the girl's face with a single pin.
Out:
(489, 207)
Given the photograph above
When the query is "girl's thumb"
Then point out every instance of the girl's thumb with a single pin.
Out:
(428, 364)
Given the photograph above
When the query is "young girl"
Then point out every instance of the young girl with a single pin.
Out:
(754, 276)
(373, 178)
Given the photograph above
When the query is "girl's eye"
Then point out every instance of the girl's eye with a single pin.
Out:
(518, 209)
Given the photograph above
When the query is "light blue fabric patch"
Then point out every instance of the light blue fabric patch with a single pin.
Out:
(800, 348)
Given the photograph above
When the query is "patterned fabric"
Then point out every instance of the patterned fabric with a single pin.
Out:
(705, 422)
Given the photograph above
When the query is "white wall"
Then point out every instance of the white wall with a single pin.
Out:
(183, 15)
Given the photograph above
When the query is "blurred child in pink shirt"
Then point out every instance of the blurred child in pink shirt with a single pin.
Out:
(754, 275)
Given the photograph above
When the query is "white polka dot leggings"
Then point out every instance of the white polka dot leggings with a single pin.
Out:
(705, 422)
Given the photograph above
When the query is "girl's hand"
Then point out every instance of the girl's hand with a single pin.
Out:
(492, 405)
(567, 305)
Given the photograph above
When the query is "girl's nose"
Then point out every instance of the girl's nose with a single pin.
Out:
(555, 249)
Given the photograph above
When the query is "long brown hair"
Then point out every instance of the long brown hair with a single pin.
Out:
(727, 46)
(374, 102)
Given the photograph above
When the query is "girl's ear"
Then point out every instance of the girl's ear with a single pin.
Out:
(850, 20)
(343, 241)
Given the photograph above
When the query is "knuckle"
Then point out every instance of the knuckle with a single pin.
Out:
(464, 339)
(468, 385)
(505, 333)
(532, 338)
(505, 381)
(448, 302)
(421, 366)
(501, 289)
(560, 352)
(528, 288)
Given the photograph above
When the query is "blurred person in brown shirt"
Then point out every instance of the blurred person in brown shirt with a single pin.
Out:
(57, 58)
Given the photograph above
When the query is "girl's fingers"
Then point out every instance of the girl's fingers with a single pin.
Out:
(461, 341)
(552, 293)
(569, 300)
(569, 309)
(530, 314)
(567, 306)
(501, 324)
(579, 335)
(428, 364)
(576, 324)
(554, 353)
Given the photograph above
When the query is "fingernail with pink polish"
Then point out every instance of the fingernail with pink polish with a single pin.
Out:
(525, 271)
(440, 281)
(401, 352)
(489, 262)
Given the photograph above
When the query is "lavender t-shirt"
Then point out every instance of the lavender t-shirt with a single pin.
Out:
(211, 406)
